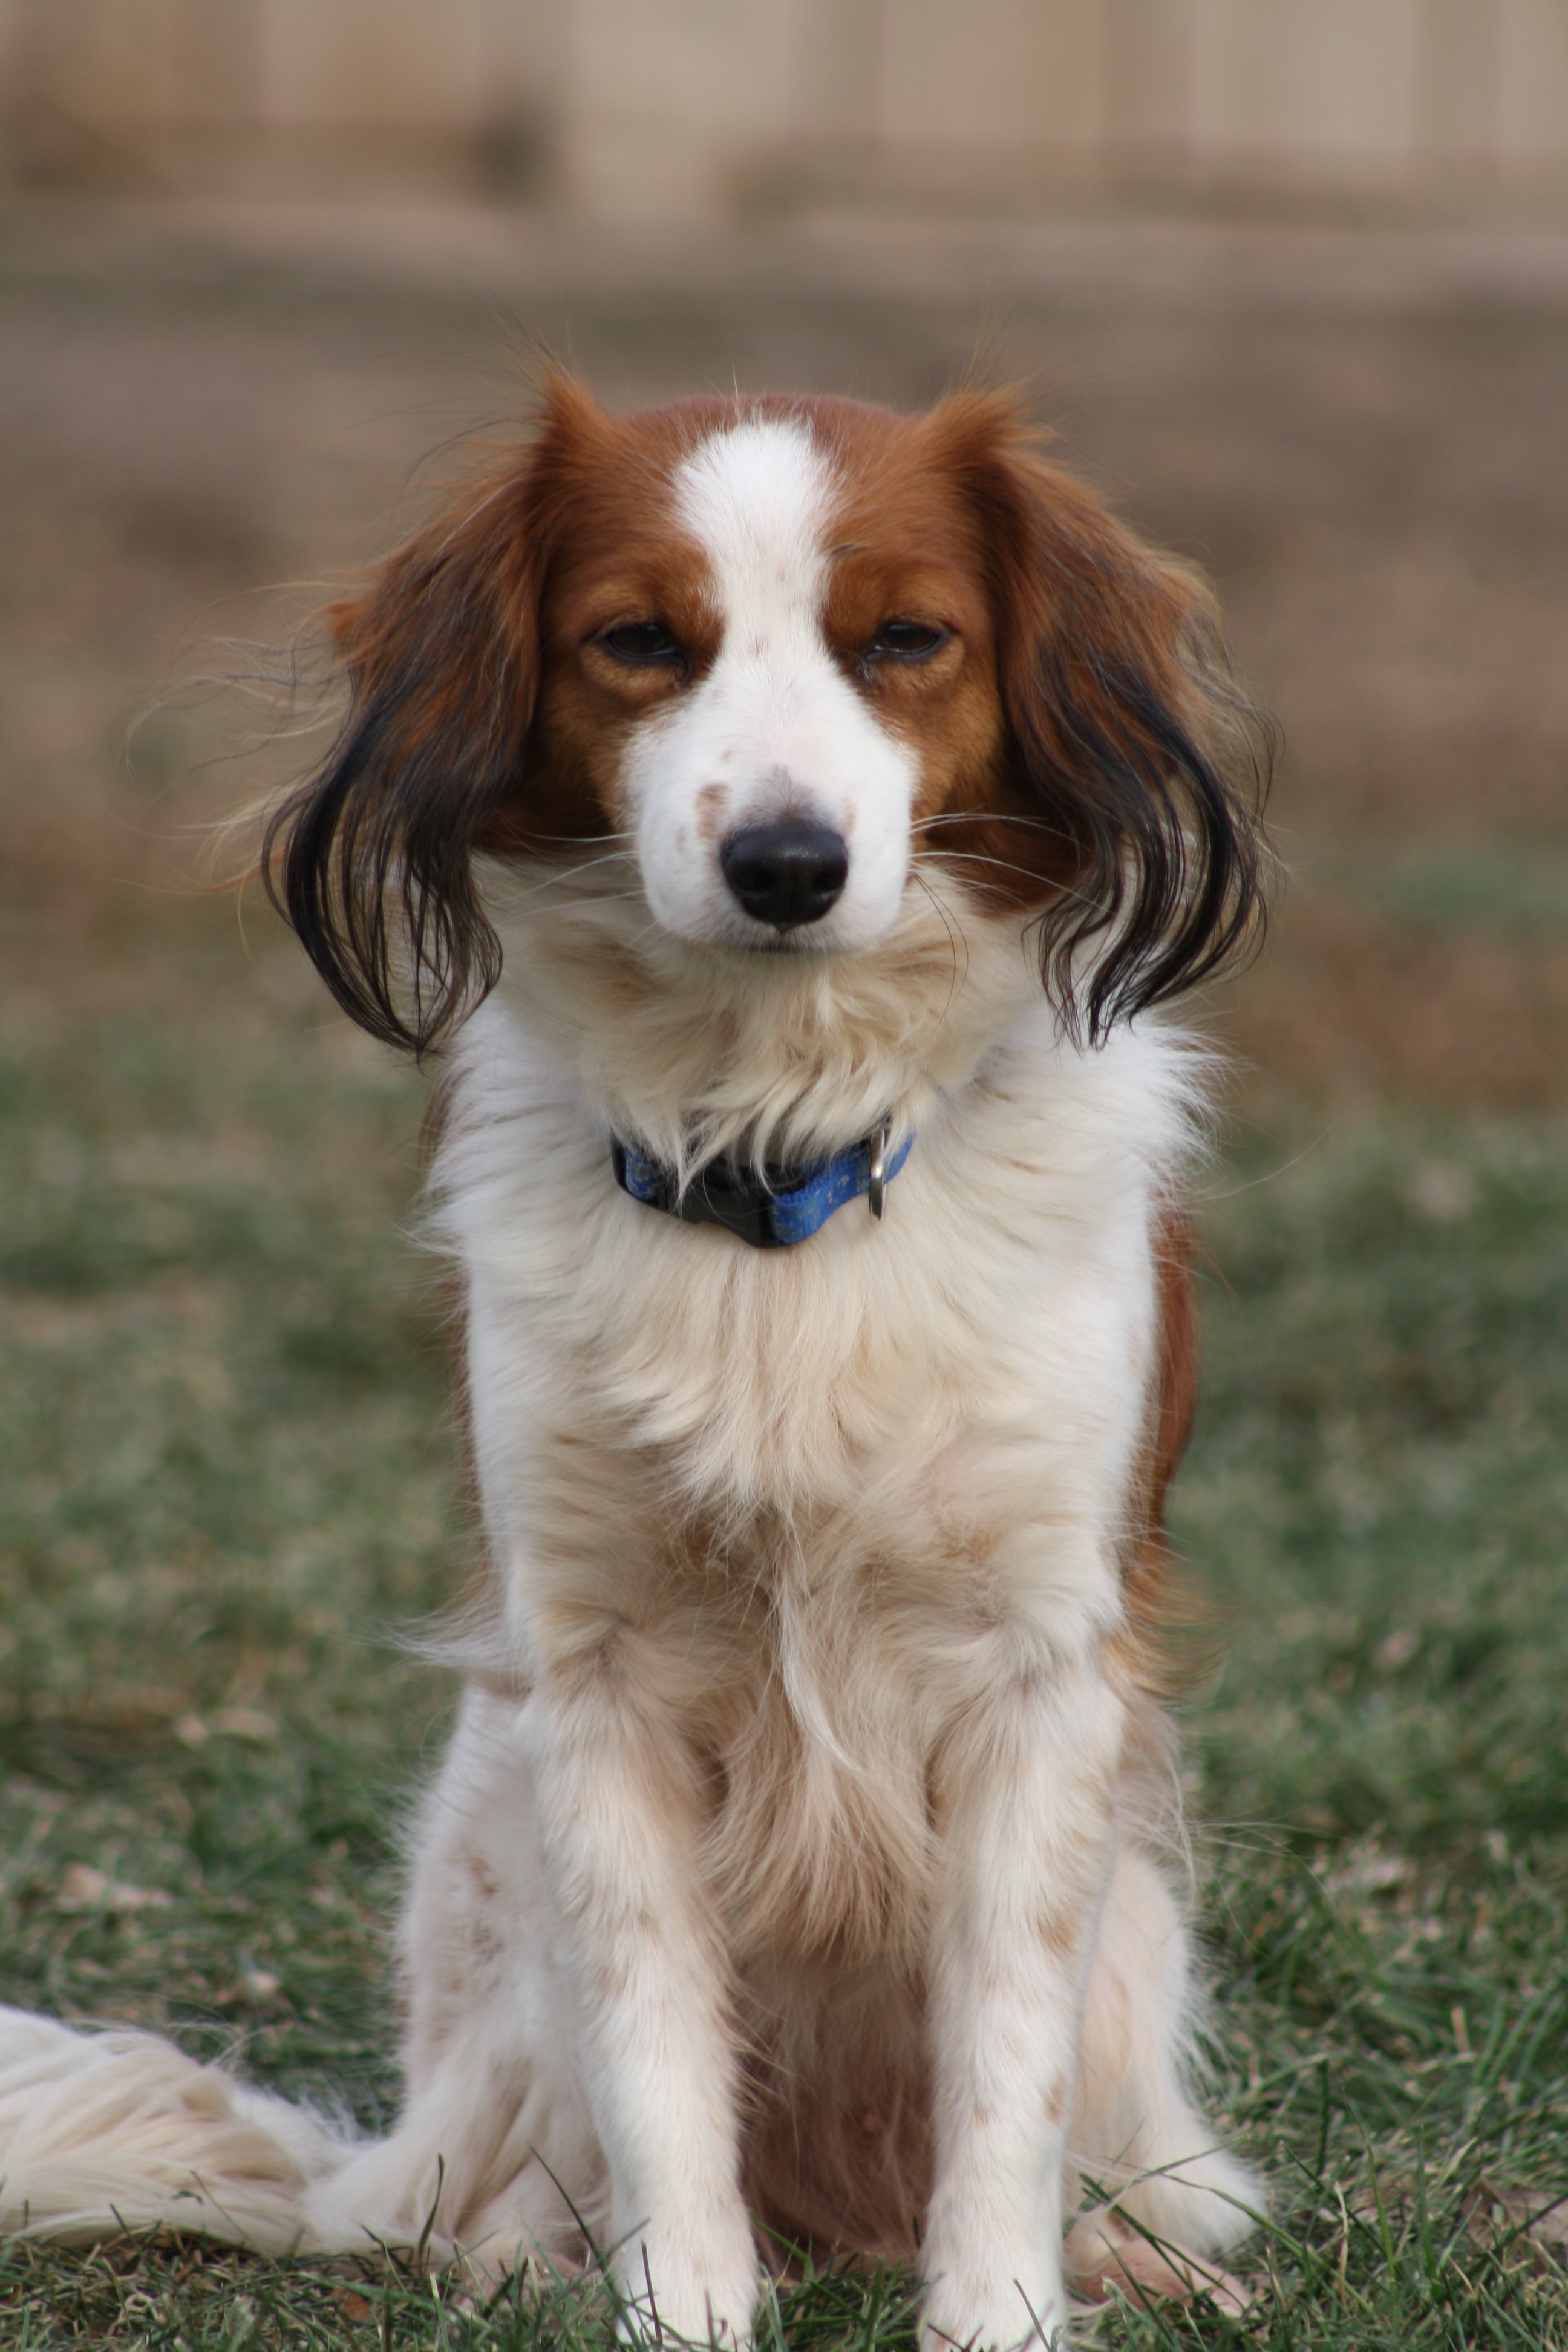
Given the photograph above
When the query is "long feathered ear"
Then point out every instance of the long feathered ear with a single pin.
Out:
(372, 860)
(1137, 770)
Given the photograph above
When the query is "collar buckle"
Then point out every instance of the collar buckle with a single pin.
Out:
(876, 1174)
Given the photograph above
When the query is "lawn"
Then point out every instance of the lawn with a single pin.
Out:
(229, 1487)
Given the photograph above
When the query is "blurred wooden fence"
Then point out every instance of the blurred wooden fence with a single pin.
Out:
(697, 104)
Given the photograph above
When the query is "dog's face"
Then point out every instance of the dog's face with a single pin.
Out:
(785, 654)
(764, 695)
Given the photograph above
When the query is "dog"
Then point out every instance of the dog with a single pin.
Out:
(785, 821)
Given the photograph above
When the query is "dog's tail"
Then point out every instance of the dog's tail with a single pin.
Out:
(117, 2130)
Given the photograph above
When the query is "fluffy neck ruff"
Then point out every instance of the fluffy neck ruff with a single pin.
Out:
(780, 1059)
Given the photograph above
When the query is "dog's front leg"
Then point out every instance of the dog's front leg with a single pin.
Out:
(1024, 1795)
(621, 1810)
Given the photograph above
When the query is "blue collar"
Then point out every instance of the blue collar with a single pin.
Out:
(771, 1212)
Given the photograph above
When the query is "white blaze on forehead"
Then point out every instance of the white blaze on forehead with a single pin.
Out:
(757, 499)
(774, 730)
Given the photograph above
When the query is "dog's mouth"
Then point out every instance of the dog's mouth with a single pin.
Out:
(798, 941)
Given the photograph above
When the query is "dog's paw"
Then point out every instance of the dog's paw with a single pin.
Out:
(1105, 2251)
(996, 2306)
(668, 2298)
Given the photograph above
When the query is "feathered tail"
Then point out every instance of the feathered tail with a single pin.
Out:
(117, 2130)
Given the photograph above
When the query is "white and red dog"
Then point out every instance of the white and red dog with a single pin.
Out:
(780, 811)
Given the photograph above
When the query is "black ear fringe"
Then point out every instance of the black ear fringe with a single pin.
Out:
(371, 862)
(1173, 866)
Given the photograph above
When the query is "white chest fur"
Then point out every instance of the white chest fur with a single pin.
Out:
(938, 1414)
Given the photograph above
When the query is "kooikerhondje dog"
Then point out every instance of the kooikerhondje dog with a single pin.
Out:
(786, 817)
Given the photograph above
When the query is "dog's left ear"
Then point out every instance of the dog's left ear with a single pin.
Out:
(1136, 768)
(372, 860)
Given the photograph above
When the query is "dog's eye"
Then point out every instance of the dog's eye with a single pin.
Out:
(642, 642)
(905, 641)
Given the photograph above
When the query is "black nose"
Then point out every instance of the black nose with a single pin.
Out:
(785, 874)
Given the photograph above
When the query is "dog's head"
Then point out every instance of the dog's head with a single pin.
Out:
(783, 653)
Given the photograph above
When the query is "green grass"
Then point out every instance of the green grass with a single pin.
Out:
(226, 1482)
(1505, 890)
(226, 1479)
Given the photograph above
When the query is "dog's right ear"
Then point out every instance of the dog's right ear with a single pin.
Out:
(372, 860)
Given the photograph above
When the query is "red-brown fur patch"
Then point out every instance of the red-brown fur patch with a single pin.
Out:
(1170, 1408)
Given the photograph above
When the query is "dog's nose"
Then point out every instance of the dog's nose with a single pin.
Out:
(785, 874)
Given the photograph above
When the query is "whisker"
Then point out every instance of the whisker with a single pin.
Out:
(569, 873)
(989, 817)
(592, 840)
(955, 936)
(604, 898)
(953, 858)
